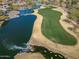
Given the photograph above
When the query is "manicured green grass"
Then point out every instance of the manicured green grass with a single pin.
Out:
(52, 29)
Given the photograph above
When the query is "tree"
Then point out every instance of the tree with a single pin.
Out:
(29, 3)
(74, 13)
(1, 12)
(60, 2)
(10, 6)
(74, 16)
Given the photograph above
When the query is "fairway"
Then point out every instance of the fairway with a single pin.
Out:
(52, 29)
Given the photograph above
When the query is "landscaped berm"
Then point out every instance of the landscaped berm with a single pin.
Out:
(52, 29)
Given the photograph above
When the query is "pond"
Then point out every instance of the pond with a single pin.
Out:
(25, 11)
(15, 33)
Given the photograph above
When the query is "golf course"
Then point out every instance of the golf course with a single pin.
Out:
(52, 29)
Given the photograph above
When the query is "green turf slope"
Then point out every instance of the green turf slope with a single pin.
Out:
(52, 29)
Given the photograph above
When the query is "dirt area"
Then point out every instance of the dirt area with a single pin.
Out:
(29, 56)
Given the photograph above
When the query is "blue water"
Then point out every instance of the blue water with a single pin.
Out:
(15, 33)
(25, 11)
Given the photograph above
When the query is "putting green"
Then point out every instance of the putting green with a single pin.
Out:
(52, 29)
